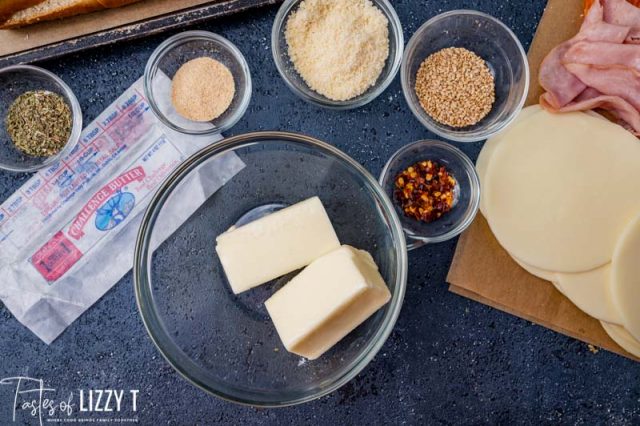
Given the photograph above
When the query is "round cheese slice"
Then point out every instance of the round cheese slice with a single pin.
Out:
(622, 337)
(484, 158)
(626, 277)
(540, 273)
(482, 163)
(559, 189)
(591, 293)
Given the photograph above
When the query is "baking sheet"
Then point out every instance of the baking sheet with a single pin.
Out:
(55, 38)
(482, 270)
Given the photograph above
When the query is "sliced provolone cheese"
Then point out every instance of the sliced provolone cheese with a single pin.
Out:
(622, 337)
(540, 273)
(551, 185)
(626, 277)
(482, 163)
(591, 292)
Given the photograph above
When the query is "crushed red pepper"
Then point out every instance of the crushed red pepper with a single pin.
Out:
(425, 191)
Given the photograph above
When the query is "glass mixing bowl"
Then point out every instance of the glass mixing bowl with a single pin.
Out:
(299, 87)
(490, 39)
(226, 344)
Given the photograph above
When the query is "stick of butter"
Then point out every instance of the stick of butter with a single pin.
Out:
(276, 244)
(327, 300)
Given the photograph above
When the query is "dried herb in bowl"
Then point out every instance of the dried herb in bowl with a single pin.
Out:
(39, 123)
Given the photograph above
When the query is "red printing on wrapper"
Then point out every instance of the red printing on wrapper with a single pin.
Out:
(56, 257)
(77, 226)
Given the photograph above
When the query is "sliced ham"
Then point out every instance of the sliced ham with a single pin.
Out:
(604, 54)
(602, 31)
(620, 12)
(594, 15)
(599, 68)
(562, 86)
(634, 36)
(615, 81)
(591, 99)
(596, 28)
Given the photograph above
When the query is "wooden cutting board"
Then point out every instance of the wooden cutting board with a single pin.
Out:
(482, 270)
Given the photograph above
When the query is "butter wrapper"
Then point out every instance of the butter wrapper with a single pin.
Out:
(68, 234)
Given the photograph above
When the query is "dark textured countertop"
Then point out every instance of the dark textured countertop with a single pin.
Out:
(449, 360)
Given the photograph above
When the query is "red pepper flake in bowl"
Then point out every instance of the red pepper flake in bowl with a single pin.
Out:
(425, 191)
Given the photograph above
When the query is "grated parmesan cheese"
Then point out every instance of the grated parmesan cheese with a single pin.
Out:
(339, 47)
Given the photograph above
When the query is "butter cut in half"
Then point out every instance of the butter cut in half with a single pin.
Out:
(276, 244)
(327, 300)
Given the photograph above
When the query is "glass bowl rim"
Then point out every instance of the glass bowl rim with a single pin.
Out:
(474, 198)
(279, 25)
(142, 265)
(172, 42)
(76, 112)
(417, 109)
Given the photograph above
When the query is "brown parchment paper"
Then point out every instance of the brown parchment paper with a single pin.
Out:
(42, 34)
(482, 270)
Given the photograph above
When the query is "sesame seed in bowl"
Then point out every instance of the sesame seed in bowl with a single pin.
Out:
(482, 50)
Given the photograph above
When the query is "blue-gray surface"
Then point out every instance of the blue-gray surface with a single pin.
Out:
(448, 360)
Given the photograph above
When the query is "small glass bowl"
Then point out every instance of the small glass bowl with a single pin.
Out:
(491, 40)
(467, 193)
(298, 86)
(14, 81)
(171, 55)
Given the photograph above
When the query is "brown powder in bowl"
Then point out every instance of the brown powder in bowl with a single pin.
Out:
(202, 89)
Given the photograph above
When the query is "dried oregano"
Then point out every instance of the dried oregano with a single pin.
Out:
(39, 123)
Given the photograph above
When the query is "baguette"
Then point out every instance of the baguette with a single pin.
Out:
(56, 9)
(108, 4)
(9, 7)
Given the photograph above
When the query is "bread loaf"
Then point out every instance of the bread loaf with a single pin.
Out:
(55, 9)
(115, 3)
(9, 7)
